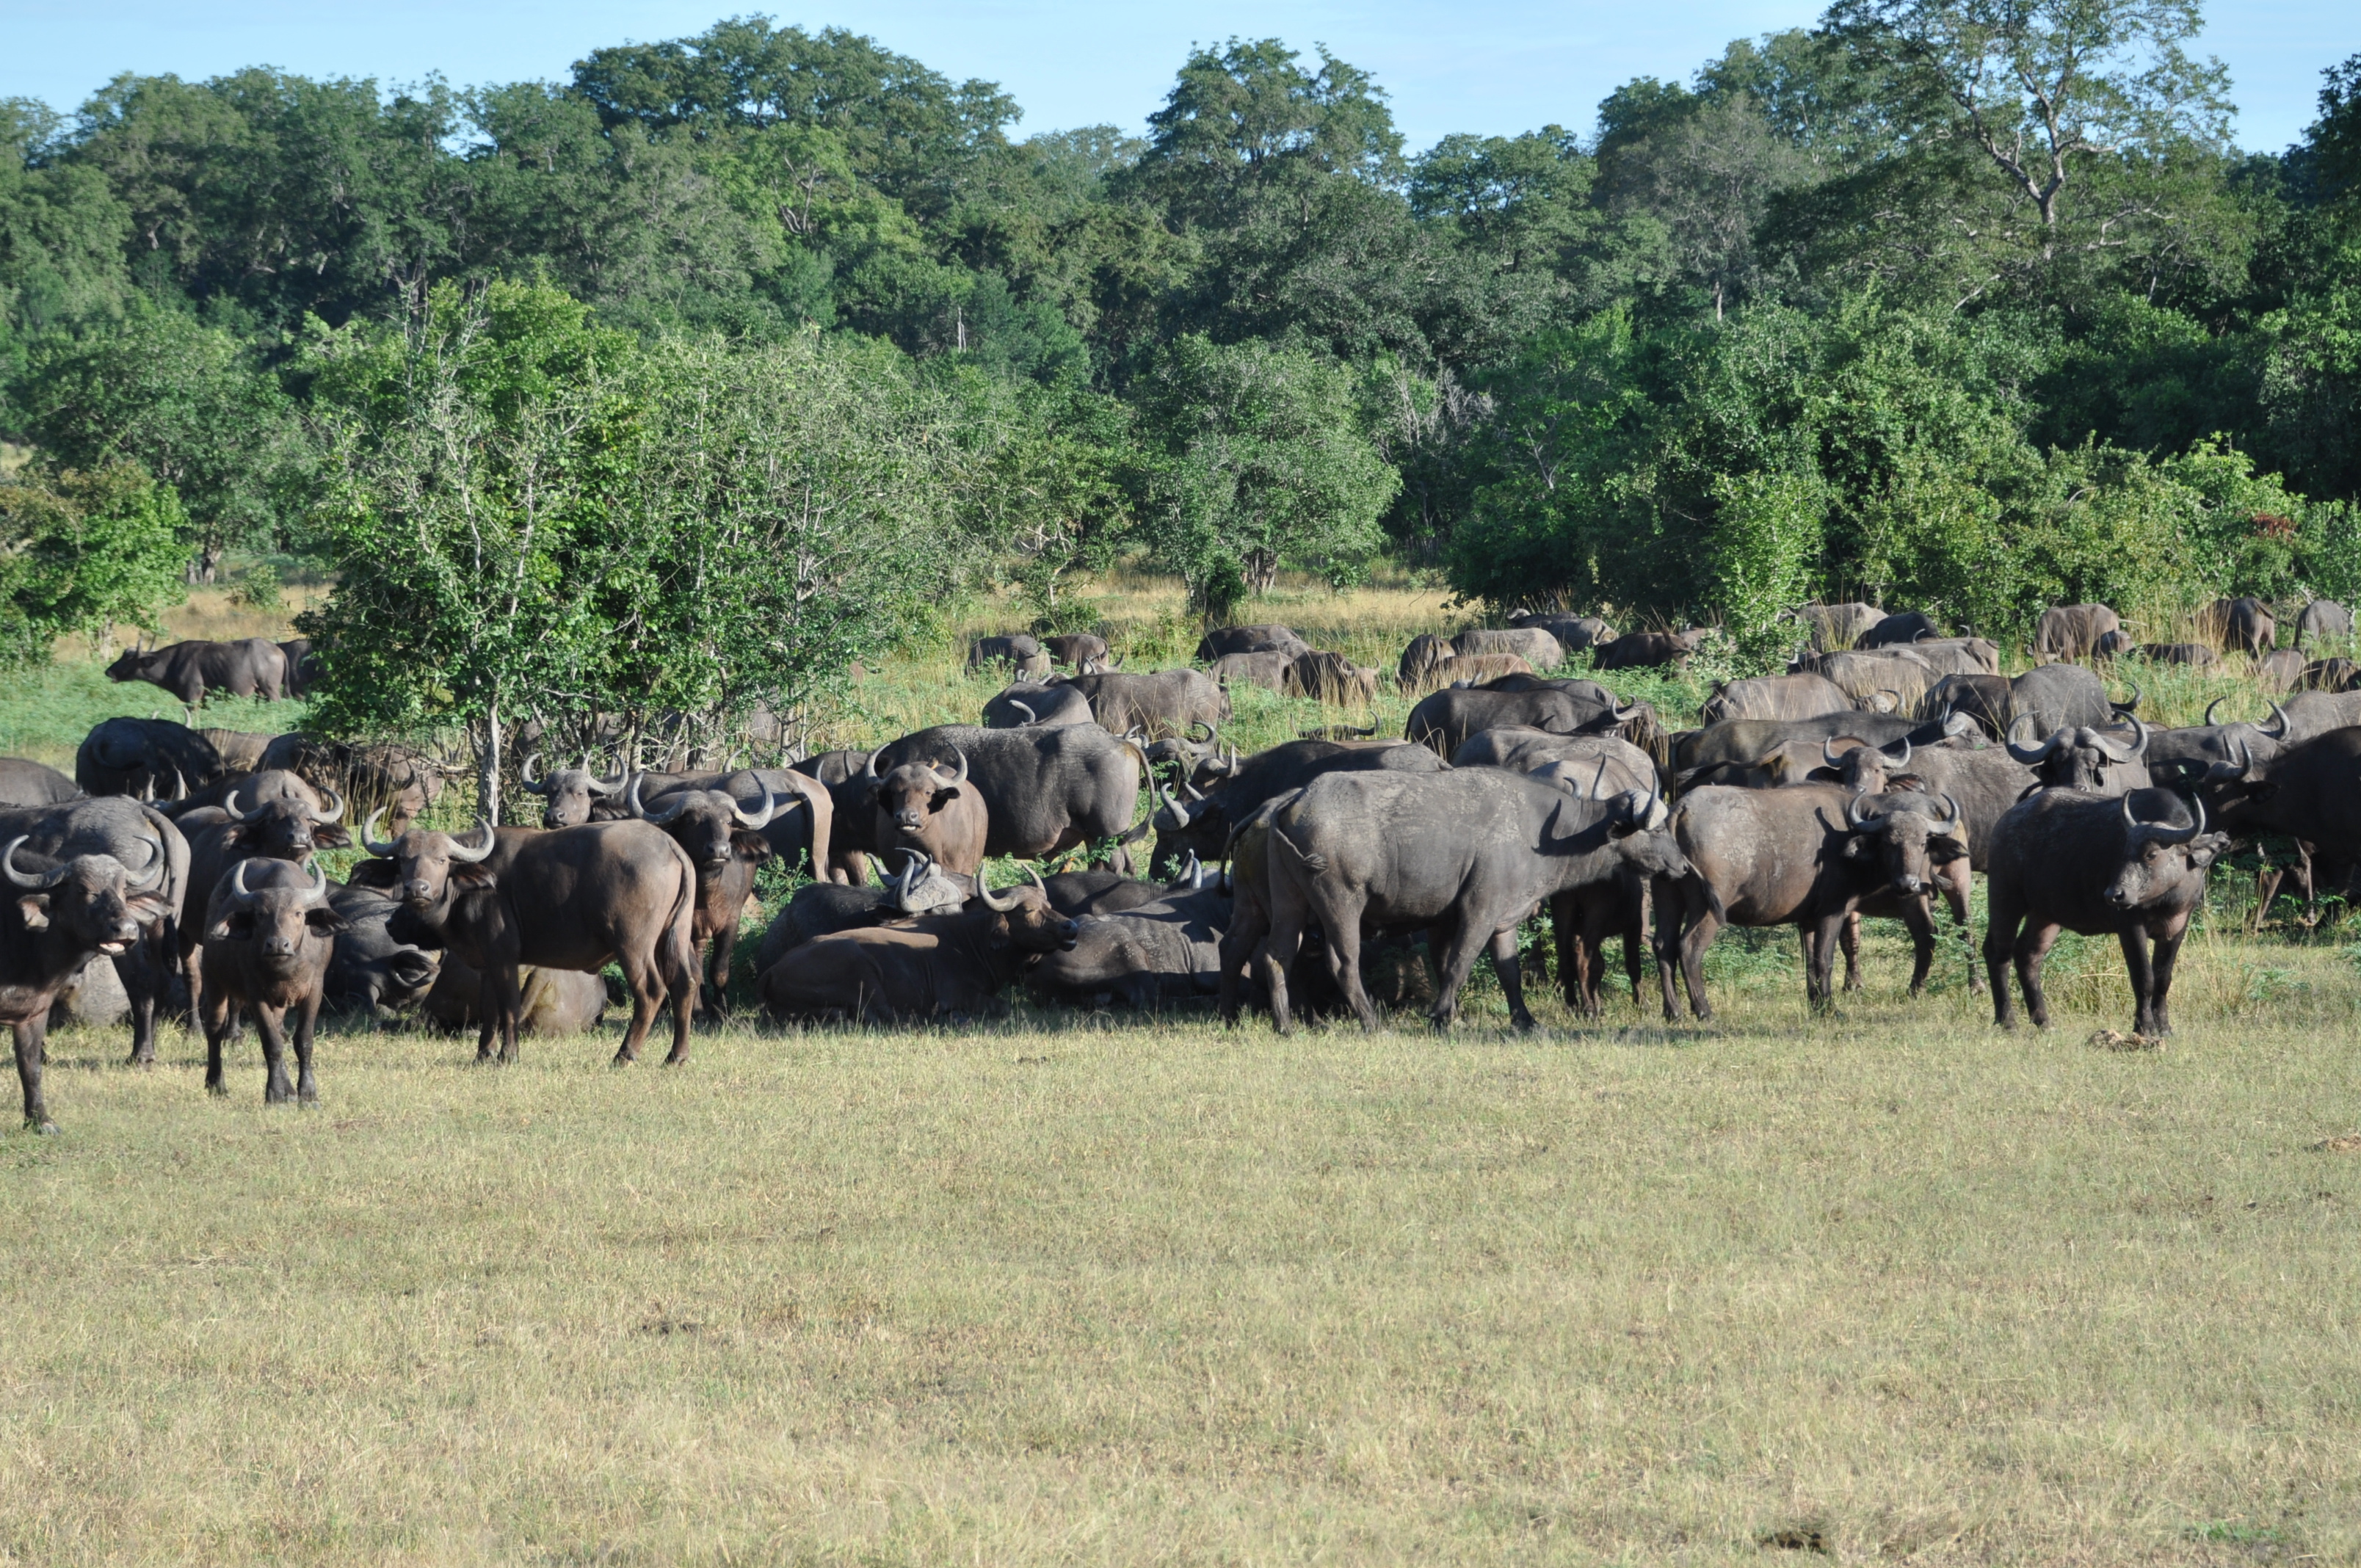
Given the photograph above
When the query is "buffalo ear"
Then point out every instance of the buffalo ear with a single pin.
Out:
(375, 873)
(473, 877)
(34, 910)
(1947, 848)
(149, 907)
(326, 922)
(751, 846)
(332, 838)
(1855, 846)
(999, 937)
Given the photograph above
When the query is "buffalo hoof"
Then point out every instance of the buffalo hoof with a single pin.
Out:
(218, 1090)
(43, 1128)
(623, 1058)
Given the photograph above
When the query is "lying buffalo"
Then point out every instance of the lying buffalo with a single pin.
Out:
(1907, 627)
(151, 758)
(2131, 866)
(1267, 669)
(1083, 650)
(1990, 700)
(1443, 721)
(1166, 950)
(1834, 626)
(1167, 702)
(1249, 640)
(1532, 644)
(1200, 821)
(24, 782)
(1652, 650)
(373, 969)
(253, 666)
(933, 966)
(1330, 677)
(825, 909)
(1776, 697)
(1024, 704)
(550, 1003)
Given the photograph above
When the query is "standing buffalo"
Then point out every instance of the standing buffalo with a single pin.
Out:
(2088, 758)
(1201, 822)
(1776, 697)
(2072, 631)
(1990, 700)
(1465, 854)
(1267, 669)
(1883, 680)
(1025, 703)
(2240, 626)
(1833, 627)
(1083, 651)
(253, 666)
(1652, 650)
(373, 775)
(1165, 703)
(577, 898)
(267, 946)
(569, 795)
(724, 841)
(1330, 677)
(2283, 670)
(268, 821)
(302, 666)
(931, 811)
(1249, 640)
(1045, 789)
(1017, 648)
(1573, 632)
(2064, 697)
(1445, 720)
(2323, 619)
(151, 758)
(1907, 627)
(2133, 866)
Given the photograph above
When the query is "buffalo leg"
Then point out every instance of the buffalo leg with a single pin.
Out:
(1820, 943)
(2142, 972)
(1505, 963)
(1344, 948)
(1693, 942)
(725, 942)
(2001, 919)
(1456, 962)
(218, 1015)
(307, 1088)
(2033, 945)
(1851, 940)
(1240, 946)
(2168, 952)
(29, 1037)
(1635, 931)
(679, 963)
(270, 1022)
(1920, 919)
(505, 1011)
(1287, 915)
(1573, 961)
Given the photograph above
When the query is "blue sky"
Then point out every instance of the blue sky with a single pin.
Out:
(1490, 66)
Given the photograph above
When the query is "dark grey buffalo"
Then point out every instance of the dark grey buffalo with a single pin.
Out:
(2060, 696)
(825, 909)
(1102, 892)
(2132, 866)
(2240, 626)
(1582, 919)
(1521, 749)
(1907, 627)
(577, 898)
(1990, 700)
(268, 940)
(1047, 789)
(2196, 655)
(1167, 702)
(1739, 742)
(24, 782)
(151, 758)
(1986, 782)
(66, 906)
(1018, 648)
(1330, 677)
(1200, 821)
(1443, 720)
(2322, 619)
(933, 966)
(1810, 855)
(1532, 644)
(373, 969)
(2087, 758)
(1832, 627)
(2329, 676)
(1776, 697)
(252, 666)
(1423, 661)
(723, 840)
(1651, 650)
(569, 795)
(2072, 631)
(241, 751)
(1878, 680)
(302, 665)
(1083, 650)
(274, 819)
(374, 775)
(1249, 640)
(1165, 951)
(1026, 703)
(1465, 854)
(2283, 670)
(1267, 669)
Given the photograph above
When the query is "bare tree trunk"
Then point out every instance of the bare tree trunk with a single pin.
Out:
(488, 765)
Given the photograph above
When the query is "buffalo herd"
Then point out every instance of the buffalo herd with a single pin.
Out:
(1887, 765)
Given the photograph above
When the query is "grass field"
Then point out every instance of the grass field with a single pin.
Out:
(1092, 1289)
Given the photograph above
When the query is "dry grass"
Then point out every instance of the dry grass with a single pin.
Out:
(1055, 1292)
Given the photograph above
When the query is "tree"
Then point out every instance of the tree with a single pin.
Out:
(83, 549)
(1257, 459)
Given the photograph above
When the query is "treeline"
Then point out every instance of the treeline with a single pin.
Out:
(1971, 308)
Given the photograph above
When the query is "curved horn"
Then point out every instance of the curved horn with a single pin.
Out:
(911, 860)
(241, 812)
(632, 799)
(1858, 823)
(770, 809)
(1210, 733)
(2115, 750)
(2127, 707)
(468, 855)
(1166, 804)
(1828, 754)
(600, 786)
(151, 873)
(2212, 705)
(997, 905)
(1030, 716)
(960, 777)
(527, 782)
(317, 892)
(2162, 834)
(332, 812)
(8, 864)
(1599, 779)
(2279, 718)
(2031, 756)
(238, 888)
(369, 840)
(1953, 813)
(1903, 760)
(869, 768)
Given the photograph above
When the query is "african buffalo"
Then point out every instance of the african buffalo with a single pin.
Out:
(1534, 644)
(825, 909)
(724, 841)
(150, 758)
(24, 782)
(1897, 674)
(1651, 650)
(268, 821)
(2283, 670)
(1267, 669)
(1249, 640)
(1466, 854)
(576, 898)
(1086, 651)
(2239, 626)
(2086, 758)
(373, 969)
(1047, 789)
(569, 795)
(252, 666)
(1164, 703)
(1573, 632)
(2196, 655)
(372, 775)
(1017, 648)
(1906, 627)
(302, 665)
(1746, 740)
(550, 1003)
(2072, 632)
(1024, 704)
(1445, 720)
(1102, 892)
(2060, 696)
(1165, 951)
(1479, 669)
(2329, 675)
(1776, 697)
(1990, 700)
(934, 811)
(268, 940)
(1200, 821)
(66, 909)
(2323, 619)
(1523, 749)
(932, 966)
(1331, 678)
(2131, 866)
(1582, 919)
